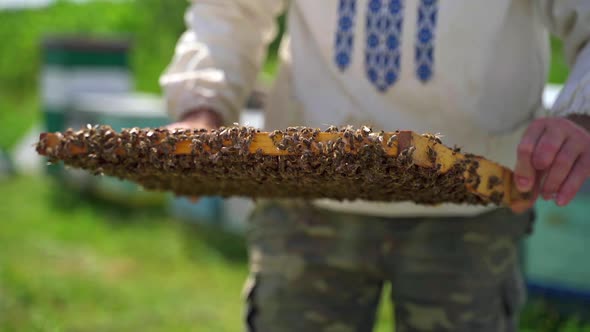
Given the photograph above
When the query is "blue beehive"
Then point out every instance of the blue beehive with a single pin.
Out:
(205, 210)
(556, 255)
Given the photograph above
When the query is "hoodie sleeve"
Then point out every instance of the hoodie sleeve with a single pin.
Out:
(218, 58)
(569, 20)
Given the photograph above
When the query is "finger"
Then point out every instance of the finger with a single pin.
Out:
(523, 206)
(575, 180)
(548, 147)
(176, 125)
(560, 168)
(524, 172)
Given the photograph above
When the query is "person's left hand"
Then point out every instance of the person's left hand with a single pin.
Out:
(553, 161)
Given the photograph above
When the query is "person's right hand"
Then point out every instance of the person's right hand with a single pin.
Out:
(553, 160)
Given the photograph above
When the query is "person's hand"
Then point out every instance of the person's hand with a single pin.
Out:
(553, 160)
(200, 118)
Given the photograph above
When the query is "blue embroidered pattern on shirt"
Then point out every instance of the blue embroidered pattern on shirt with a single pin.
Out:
(427, 18)
(383, 51)
(345, 34)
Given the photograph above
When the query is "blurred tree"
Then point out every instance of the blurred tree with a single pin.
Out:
(159, 27)
(159, 24)
(153, 25)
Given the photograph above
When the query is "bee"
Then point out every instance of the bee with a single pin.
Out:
(320, 146)
(332, 129)
(291, 149)
(306, 155)
(214, 157)
(171, 140)
(288, 140)
(493, 181)
(429, 136)
(281, 162)
(391, 140)
(273, 134)
(347, 134)
(330, 145)
(477, 182)
(243, 149)
(497, 197)
(431, 154)
(307, 142)
(223, 134)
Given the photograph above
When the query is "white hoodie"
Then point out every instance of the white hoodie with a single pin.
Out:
(471, 70)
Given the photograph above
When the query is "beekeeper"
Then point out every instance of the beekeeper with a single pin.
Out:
(472, 70)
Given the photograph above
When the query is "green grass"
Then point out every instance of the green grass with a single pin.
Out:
(20, 115)
(70, 265)
(559, 69)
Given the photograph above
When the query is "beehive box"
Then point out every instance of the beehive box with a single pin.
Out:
(557, 252)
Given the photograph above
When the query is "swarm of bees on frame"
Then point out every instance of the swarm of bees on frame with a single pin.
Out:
(221, 163)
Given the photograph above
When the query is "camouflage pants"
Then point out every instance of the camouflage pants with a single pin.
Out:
(314, 270)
